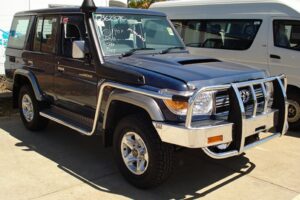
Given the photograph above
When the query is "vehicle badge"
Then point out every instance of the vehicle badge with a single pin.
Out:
(245, 95)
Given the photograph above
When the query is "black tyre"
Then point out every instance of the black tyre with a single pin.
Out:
(29, 109)
(143, 159)
(294, 110)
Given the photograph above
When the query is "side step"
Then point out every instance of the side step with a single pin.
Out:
(69, 119)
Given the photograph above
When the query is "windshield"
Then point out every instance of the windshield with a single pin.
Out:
(120, 33)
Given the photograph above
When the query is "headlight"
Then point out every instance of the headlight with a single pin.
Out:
(203, 104)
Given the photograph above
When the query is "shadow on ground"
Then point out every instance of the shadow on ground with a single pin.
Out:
(293, 134)
(6, 103)
(83, 157)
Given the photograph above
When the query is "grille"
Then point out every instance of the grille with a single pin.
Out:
(222, 100)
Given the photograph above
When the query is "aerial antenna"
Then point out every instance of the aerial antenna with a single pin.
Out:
(88, 6)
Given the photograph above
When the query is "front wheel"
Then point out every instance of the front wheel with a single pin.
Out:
(143, 159)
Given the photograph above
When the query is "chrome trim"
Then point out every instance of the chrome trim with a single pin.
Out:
(248, 125)
(254, 100)
(197, 136)
(99, 101)
(142, 101)
(96, 40)
(266, 97)
(194, 137)
(283, 88)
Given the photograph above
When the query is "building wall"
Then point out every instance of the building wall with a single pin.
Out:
(7, 10)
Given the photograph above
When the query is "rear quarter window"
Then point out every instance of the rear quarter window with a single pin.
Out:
(18, 32)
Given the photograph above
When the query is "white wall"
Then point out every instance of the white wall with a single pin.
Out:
(8, 9)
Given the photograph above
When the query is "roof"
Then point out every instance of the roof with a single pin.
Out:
(230, 7)
(114, 10)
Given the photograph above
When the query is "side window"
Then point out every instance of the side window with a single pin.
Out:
(219, 34)
(287, 34)
(19, 32)
(38, 35)
(46, 34)
(73, 29)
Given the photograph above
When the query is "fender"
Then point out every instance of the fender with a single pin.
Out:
(34, 84)
(141, 101)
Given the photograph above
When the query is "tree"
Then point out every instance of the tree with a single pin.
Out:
(144, 4)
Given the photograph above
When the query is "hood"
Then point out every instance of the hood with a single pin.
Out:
(190, 68)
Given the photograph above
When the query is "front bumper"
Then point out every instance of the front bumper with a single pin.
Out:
(237, 128)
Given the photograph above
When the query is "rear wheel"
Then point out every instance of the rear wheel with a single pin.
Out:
(143, 159)
(294, 110)
(29, 109)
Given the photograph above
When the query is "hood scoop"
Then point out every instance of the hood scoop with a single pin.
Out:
(197, 61)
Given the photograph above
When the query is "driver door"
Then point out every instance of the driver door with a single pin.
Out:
(75, 80)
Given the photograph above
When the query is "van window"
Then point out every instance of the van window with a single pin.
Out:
(218, 34)
(287, 34)
(45, 34)
(18, 32)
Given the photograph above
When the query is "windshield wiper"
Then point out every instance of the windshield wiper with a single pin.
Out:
(170, 48)
(131, 51)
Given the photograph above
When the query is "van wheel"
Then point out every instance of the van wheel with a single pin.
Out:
(294, 111)
(143, 159)
(29, 109)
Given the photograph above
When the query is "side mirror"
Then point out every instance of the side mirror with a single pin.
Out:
(79, 49)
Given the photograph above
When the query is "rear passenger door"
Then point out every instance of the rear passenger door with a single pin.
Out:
(42, 59)
(75, 79)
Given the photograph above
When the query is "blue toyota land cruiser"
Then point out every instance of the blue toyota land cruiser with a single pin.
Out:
(126, 75)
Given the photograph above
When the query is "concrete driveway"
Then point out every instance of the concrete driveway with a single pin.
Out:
(61, 164)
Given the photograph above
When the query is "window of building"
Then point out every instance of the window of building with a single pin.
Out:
(218, 34)
(18, 32)
(45, 35)
(287, 34)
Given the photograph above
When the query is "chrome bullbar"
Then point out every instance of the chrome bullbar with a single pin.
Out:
(238, 126)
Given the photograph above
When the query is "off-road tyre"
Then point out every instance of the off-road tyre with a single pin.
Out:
(161, 159)
(38, 122)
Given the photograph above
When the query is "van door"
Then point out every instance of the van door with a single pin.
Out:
(236, 40)
(284, 48)
(75, 79)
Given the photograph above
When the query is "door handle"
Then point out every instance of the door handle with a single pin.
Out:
(60, 69)
(275, 56)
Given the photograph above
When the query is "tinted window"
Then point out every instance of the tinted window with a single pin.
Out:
(38, 35)
(73, 29)
(287, 34)
(218, 34)
(45, 35)
(18, 32)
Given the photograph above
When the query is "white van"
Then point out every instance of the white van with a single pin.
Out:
(260, 33)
